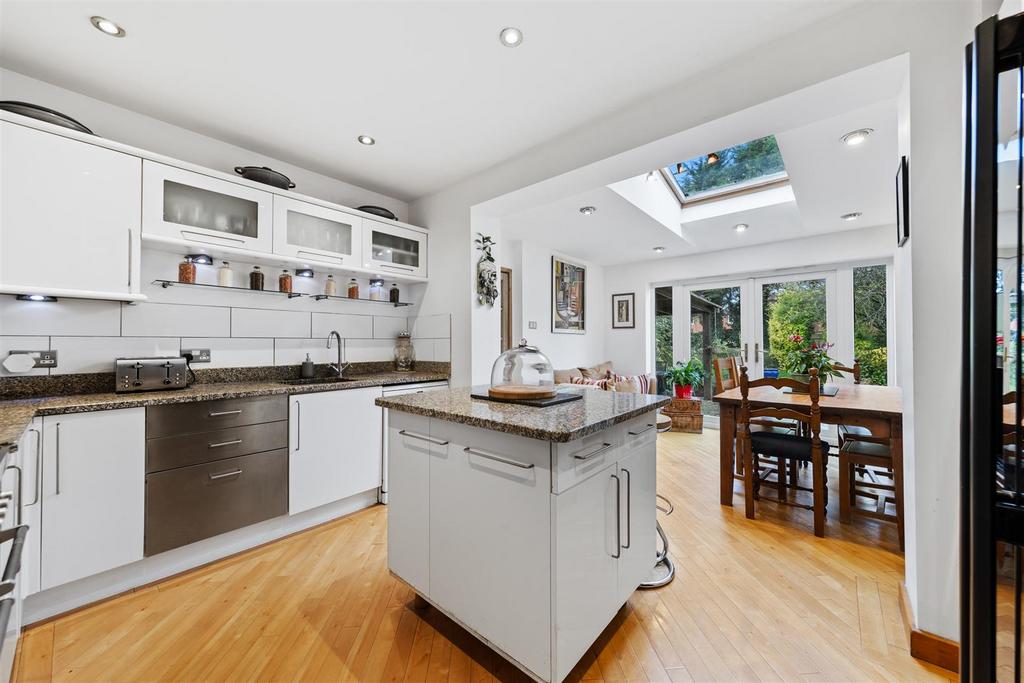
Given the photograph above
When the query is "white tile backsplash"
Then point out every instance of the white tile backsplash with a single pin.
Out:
(97, 354)
(366, 350)
(64, 316)
(348, 326)
(176, 320)
(8, 344)
(254, 322)
(424, 349)
(293, 351)
(386, 327)
(233, 352)
(432, 327)
(443, 350)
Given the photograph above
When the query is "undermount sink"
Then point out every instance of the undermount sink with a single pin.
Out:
(317, 380)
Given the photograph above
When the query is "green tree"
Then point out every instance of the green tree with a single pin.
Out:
(794, 308)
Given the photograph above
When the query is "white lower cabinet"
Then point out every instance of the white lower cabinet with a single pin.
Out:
(334, 447)
(93, 486)
(637, 521)
(409, 446)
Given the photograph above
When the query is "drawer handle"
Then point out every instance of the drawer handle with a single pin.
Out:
(414, 435)
(402, 268)
(642, 431)
(225, 412)
(234, 442)
(232, 473)
(505, 461)
(588, 456)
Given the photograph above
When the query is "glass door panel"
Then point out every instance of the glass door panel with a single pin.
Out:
(394, 248)
(716, 334)
(388, 248)
(793, 312)
(310, 231)
(201, 208)
(318, 233)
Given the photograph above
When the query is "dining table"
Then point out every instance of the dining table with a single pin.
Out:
(876, 408)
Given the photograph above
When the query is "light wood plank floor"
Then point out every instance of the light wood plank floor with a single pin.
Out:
(760, 600)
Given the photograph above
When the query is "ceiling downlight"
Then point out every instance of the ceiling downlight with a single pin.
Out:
(856, 137)
(366, 140)
(588, 210)
(107, 26)
(510, 36)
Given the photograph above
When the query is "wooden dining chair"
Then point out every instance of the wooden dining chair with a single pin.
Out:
(867, 458)
(783, 447)
(725, 376)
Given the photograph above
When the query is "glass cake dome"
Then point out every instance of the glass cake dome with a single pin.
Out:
(523, 371)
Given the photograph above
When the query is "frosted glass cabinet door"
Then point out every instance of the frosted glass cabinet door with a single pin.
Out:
(394, 249)
(192, 206)
(308, 231)
(69, 214)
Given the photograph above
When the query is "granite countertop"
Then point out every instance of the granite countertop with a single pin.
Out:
(597, 410)
(16, 414)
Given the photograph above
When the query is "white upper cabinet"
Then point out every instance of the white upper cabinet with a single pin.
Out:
(69, 217)
(317, 233)
(394, 249)
(199, 208)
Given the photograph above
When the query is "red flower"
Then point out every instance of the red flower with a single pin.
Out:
(796, 338)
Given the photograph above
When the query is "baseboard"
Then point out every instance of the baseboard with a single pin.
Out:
(927, 646)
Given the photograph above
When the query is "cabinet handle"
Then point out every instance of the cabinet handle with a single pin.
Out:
(402, 268)
(39, 470)
(194, 237)
(232, 473)
(225, 412)
(489, 456)
(746, 352)
(56, 456)
(629, 497)
(319, 255)
(298, 426)
(129, 257)
(17, 519)
(233, 442)
(588, 456)
(618, 517)
(414, 435)
(642, 431)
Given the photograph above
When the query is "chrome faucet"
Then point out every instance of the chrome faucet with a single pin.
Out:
(340, 367)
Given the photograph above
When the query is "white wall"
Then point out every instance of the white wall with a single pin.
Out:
(603, 151)
(132, 128)
(531, 264)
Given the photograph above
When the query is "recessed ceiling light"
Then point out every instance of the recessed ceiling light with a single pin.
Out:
(511, 37)
(712, 158)
(587, 210)
(107, 26)
(741, 227)
(856, 137)
(366, 140)
(658, 250)
(852, 216)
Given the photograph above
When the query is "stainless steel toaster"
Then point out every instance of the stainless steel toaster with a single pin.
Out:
(150, 374)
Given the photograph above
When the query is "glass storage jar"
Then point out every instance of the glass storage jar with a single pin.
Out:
(187, 271)
(405, 354)
(523, 372)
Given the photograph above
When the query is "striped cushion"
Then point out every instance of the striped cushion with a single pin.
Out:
(605, 384)
(637, 384)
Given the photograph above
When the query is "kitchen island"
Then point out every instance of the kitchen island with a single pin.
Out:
(528, 526)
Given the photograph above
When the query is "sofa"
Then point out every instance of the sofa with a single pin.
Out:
(603, 377)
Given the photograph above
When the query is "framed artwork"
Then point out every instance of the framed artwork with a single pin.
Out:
(902, 203)
(568, 297)
(623, 307)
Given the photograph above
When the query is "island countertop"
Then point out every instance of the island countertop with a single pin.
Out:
(597, 410)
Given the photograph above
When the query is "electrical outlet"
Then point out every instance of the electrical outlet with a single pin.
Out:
(198, 355)
(533, 324)
(42, 359)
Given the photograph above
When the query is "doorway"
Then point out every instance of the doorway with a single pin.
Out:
(506, 309)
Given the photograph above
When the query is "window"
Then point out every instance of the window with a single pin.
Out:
(869, 324)
(663, 337)
(744, 166)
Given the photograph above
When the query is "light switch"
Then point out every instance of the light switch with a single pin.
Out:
(533, 324)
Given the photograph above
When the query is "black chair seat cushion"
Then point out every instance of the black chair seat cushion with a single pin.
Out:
(848, 431)
(784, 445)
(876, 450)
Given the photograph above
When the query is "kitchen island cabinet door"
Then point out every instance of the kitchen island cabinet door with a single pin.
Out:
(638, 523)
(585, 571)
(70, 216)
(93, 493)
(490, 537)
(409, 448)
(31, 449)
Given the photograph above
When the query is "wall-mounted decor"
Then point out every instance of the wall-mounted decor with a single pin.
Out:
(902, 203)
(623, 309)
(486, 271)
(568, 297)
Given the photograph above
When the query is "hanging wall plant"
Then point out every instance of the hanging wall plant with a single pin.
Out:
(486, 271)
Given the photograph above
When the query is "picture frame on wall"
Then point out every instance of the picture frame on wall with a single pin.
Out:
(624, 311)
(568, 297)
(902, 203)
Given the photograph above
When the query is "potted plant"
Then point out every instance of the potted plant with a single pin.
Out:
(798, 361)
(685, 376)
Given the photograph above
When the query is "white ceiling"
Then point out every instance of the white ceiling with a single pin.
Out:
(300, 80)
(827, 179)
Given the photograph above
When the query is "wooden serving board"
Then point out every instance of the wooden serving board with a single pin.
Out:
(522, 391)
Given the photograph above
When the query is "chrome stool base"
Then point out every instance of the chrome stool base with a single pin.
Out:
(664, 569)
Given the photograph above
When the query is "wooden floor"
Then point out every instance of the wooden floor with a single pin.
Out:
(760, 600)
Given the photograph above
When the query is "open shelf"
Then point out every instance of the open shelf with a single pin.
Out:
(291, 295)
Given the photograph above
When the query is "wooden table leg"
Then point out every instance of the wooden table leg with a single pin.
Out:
(726, 440)
(896, 446)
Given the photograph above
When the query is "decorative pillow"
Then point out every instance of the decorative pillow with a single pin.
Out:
(634, 384)
(600, 371)
(566, 376)
(603, 384)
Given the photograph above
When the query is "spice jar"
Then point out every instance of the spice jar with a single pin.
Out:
(330, 286)
(256, 278)
(225, 276)
(284, 282)
(353, 289)
(376, 290)
(393, 294)
(405, 354)
(187, 272)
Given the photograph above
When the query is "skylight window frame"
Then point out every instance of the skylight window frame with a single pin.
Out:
(768, 182)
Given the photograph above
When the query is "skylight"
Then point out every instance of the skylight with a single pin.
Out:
(740, 167)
